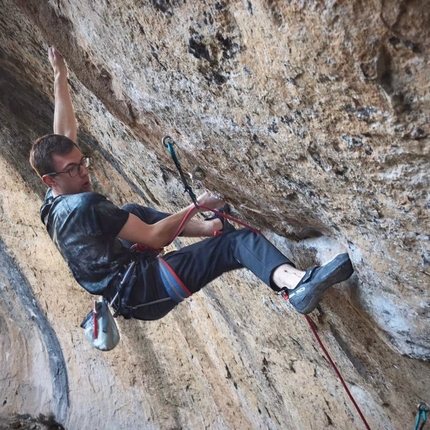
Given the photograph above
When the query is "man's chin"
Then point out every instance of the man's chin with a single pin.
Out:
(86, 187)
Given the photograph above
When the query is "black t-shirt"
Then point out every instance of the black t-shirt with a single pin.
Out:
(84, 227)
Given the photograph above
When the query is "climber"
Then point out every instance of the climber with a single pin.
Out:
(95, 237)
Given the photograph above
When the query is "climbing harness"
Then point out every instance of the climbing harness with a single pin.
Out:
(120, 302)
(172, 283)
(423, 408)
(99, 325)
(168, 142)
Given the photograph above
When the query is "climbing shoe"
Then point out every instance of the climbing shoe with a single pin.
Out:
(226, 226)
(306, 295)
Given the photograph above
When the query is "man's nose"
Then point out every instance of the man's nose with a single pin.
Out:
(83, 170)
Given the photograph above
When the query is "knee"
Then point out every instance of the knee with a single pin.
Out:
(249, 238)
(244, 234)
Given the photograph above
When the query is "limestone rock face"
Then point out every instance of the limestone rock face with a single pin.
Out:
(312, 119)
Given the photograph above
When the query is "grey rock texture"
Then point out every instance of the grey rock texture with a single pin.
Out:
(312, 119)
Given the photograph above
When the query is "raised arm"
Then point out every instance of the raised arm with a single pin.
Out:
(64, 114)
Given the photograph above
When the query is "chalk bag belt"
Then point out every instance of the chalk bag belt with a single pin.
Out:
(173, 285)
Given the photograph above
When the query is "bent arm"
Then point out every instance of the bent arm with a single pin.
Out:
(64, 114)
(161, 233)
(155, 235)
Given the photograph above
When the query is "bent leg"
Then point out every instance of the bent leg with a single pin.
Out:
(200, 263)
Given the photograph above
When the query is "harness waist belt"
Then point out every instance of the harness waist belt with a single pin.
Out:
(173, 285)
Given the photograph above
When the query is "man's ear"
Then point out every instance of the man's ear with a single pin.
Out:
(49, 180)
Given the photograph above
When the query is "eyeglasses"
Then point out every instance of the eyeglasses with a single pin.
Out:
(74, 169)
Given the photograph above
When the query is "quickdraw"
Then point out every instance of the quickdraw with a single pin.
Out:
(168, 142)
(423, 408)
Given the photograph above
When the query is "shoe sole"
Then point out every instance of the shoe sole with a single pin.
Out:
(339, 270)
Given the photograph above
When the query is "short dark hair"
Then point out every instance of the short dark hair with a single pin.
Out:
(45, 147)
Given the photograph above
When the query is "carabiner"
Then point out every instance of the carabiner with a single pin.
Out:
(167, 140)
(423, 406)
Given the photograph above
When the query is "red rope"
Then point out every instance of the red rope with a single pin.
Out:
(181, 225)
(238, 221)
(221, 214)
(95, 322)
(314, 331)
(310, 322)
(313, 327)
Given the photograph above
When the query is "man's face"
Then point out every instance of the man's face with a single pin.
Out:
(63, 183)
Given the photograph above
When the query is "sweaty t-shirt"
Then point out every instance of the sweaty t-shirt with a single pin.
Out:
(84, 227)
